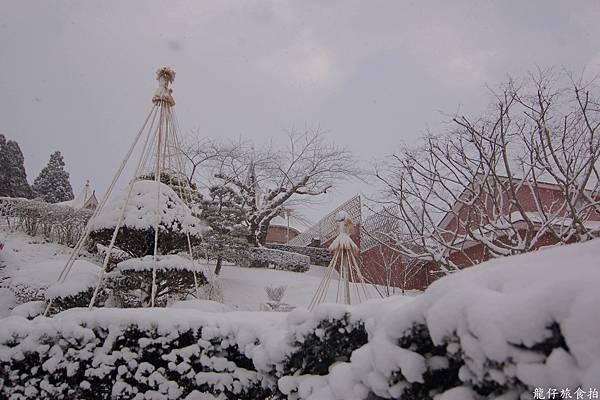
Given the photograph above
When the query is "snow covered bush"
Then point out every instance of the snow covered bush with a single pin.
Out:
(30, 309)
(58, 223)
(63, 297)
(136, 235)
(499, 330)
(310, 343)
(116, 255)
(122, 354)
(37, 282)
(442, 363)
(318, 255)
(259, 257)
(333, 339)
(277, 259)
(275, 293)
(131, 280)
(185, 190)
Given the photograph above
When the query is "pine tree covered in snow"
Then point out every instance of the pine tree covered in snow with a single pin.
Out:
(224, 214)
(187, 191)
(13, 179)
(136, 234)
(52, 184)
(176, 277)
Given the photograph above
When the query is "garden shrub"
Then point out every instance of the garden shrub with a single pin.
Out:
(82, 359)
(131, 280)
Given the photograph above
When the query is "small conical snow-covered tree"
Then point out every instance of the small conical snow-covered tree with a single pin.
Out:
(52, 184)
(186, 191)
(223, 213)
(141, 210)
(13, 179)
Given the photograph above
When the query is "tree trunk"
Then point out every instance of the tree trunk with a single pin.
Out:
(261, 235)
(219, 264)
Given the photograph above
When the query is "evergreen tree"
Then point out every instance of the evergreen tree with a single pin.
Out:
(224, 213)
(185, 190)
(13, 179)
(52, 184)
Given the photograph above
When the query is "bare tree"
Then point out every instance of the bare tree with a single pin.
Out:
(508, 182)
(269, 178)
(199, 152)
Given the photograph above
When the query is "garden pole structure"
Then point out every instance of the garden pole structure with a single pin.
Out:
(159, 153)
(344, 262)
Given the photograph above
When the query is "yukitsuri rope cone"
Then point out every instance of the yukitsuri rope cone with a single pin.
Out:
(160, 152)
(344, 263)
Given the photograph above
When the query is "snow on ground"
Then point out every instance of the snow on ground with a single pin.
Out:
(243, 288)
(21, 249)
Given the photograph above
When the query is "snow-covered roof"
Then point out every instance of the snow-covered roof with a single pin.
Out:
(82, 199)
(326, 228)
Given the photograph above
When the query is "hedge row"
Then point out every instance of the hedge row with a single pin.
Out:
(259, 257)
(58, 223)
(147, 354)
(318, 255)
(143, 354)
(277, 259)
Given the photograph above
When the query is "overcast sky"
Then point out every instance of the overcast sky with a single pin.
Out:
(78, 76)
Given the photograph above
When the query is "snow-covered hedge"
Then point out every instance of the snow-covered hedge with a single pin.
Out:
(58, 223)
(496, 331)
(259, 257)
(131, 354)
(300, 358)
(277, 259)
(318, 255)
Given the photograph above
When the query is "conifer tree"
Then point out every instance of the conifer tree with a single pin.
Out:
(224, 214)
(185, 190)
(13, 179)
(52, 184)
